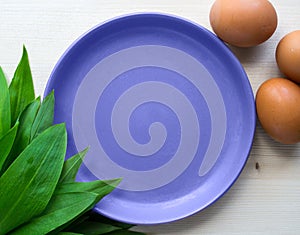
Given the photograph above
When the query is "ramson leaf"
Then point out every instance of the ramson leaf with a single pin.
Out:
(23, 134)
(71, 167)
(61, 209)
(28, 184)
(6, 143)
(101, 188)
(21, 88)
(5, 117)
(44, 117)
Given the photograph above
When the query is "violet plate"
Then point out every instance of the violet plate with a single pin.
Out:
(163, 104)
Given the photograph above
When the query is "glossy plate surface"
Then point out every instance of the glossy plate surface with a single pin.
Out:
(162, 103)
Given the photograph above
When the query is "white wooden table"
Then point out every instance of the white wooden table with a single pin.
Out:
(262, 201)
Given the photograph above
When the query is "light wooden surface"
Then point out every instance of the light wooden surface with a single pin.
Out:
(262, 201)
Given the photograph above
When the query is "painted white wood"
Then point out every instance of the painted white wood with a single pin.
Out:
(262, 201)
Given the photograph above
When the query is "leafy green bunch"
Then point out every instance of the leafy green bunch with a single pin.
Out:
(38, 192)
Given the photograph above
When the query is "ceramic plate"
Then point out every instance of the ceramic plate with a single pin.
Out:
(162, 103)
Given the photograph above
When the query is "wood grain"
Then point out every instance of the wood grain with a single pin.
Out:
(262, 201)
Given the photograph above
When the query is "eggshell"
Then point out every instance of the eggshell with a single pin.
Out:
(243, 23)
(288, 55)
(278, 109)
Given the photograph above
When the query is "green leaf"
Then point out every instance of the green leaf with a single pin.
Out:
(28, 184)
(93, 228)
(61, 209)
(101, 188)
(6, 142)
(71, 167)
(44, 117)
(23, 134)
(5, 118)
(78, 219)
(21, 88)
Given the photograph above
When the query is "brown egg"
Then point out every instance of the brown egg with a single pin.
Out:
(243, 23)
(288, 55)
(278, 109)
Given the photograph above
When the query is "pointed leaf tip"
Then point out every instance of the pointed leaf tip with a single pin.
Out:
(71, 167)
(44, 117)
(21, 87)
